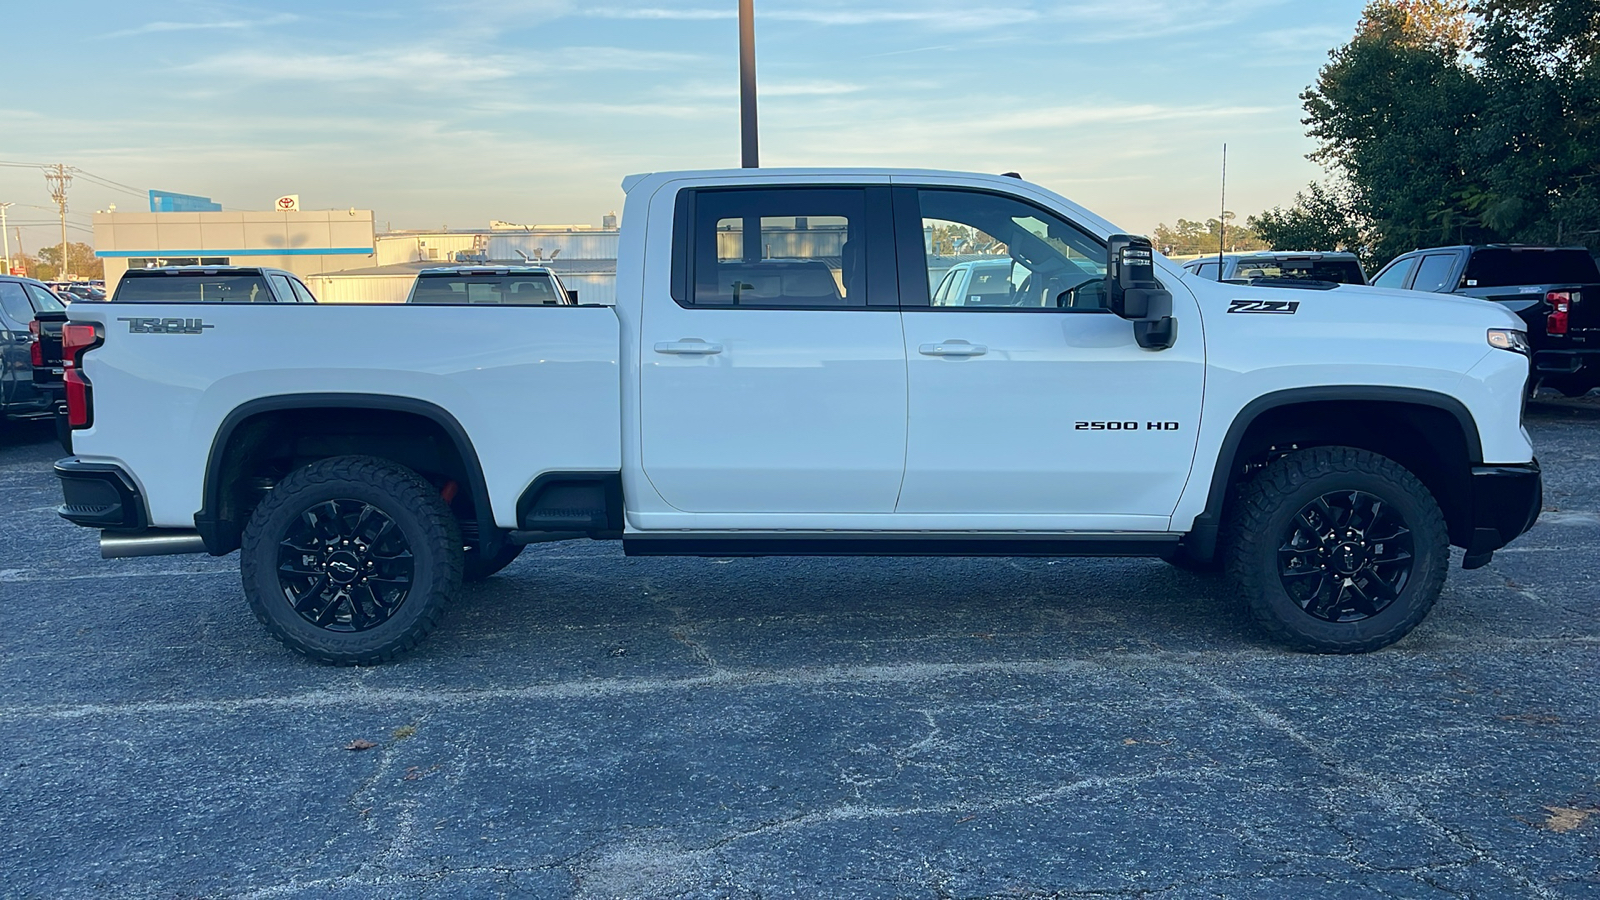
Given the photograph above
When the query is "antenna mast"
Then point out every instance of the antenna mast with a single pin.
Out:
(747, 85)
(1222, 220)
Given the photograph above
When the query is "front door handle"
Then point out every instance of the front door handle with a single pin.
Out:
(688, 347)
(953, 348)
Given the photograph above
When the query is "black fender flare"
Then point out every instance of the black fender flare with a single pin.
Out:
(1201, 541)
(223, 537)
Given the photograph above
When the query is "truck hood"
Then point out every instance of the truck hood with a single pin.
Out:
(1381, 306)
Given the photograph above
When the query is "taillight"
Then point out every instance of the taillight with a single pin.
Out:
(36, 352)
(1560, 304)
(75, 341)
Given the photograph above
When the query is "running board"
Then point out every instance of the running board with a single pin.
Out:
(153, 542)
(733, 544)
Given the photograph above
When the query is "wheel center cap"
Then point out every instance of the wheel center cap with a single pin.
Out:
(1348, 558)
(343, 567)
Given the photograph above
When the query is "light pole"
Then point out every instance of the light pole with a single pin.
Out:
(747, 85)
(58, 181)
(5, 238)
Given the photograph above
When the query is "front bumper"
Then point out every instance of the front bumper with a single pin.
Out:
(1506, 501)
(99, 495)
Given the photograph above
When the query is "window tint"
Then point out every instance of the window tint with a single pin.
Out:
(280, 286)
(43, 300)
(790, 247)
(1505, 267)
(14, 300)
(301, 292)
(1395, 275)
(1434, 272)
(500, 290)
(1021, 257)
(1338, 271)
(193, 289)
(1207, 270)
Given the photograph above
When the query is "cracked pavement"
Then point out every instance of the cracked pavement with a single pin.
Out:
(591, 726)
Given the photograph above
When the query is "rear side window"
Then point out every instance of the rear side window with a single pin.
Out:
(1207, 270)
(1433, 275)
(1507, 267)
(44, 301)
(1395, 276)
(193, 289)
(14, 300)
(779, 248)
(301, 292)
(490, 289)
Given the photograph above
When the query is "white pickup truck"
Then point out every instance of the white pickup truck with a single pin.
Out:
(776, 378)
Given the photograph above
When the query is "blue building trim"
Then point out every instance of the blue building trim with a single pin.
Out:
(286, 251)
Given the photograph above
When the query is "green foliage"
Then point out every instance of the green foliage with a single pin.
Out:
(1465, 123)
(1194, 238)
(1321, 218)
(81, 263)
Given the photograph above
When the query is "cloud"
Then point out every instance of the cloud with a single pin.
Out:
(427, 69)
(935, 18)
(226, 25)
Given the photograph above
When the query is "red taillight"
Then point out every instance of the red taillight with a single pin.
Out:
(36, 352)
(75, 341)
(1560, 304)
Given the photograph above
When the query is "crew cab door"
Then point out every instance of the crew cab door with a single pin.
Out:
(1031, 401)
(773, 380)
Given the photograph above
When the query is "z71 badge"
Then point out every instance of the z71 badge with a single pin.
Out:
(165, 326)
(1278, 307)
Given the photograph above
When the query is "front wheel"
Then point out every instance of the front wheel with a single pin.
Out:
(1337, 550)
(351, 560)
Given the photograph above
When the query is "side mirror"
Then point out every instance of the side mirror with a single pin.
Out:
(1133, 292)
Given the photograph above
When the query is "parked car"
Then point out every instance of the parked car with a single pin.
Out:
(211, 284)
(31, 317)
(503, 286)
(774, 380)
(1249, 268)
(1554, 290)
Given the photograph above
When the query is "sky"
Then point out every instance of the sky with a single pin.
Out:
(532, 111)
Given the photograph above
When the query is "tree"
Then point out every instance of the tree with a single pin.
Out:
(1321, 218)
(1189, 238)
(81, 263)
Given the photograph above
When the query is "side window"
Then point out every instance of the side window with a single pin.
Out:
(43, 300)
(1208, 270)
(14, 300)
(777, 248)
(301, 292)
(281, 288)
(1395, 276)
(1433, 274)
(1021, 257)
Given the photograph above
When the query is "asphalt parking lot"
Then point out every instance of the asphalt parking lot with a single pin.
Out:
(591, 726)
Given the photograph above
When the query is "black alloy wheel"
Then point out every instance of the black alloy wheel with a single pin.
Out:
(345, 566)
(1346, 557)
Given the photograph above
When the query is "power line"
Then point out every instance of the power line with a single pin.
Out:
(101, 179)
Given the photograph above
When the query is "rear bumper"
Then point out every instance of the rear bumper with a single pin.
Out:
(1566, 362)
(99, 495)
(1506, 501)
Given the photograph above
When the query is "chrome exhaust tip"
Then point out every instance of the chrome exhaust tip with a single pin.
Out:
(154, 542)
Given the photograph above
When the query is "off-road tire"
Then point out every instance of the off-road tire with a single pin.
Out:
(1268, 504)
(475, 567)
(425, 524)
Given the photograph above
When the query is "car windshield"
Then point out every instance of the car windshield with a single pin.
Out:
(195, 288)
(1506, 267)
(1338, 271)
(504, 290)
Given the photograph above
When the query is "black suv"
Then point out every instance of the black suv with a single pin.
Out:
(30, 349)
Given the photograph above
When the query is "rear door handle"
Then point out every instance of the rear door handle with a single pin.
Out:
(953, 348)
(688, 347)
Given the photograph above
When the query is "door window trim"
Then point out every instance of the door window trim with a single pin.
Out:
(883, 291)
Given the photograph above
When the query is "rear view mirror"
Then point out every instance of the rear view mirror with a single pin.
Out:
(1133, 292)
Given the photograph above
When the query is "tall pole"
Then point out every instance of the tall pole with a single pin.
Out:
(747, 84)
(5, 238)
(1222, 220)
(58, 177)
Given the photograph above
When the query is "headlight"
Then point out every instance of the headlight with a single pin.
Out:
(1508, 339)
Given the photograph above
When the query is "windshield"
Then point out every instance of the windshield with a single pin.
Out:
(1338, 271)
(504, 290)
(193, 289)
(1506, 267)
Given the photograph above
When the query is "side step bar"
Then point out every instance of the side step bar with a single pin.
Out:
(154, 542)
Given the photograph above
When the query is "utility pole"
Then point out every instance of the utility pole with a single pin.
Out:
(58, 177)
(5, 238)
(747, 84)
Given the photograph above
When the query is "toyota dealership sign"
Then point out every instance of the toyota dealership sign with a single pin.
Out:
(289, 203)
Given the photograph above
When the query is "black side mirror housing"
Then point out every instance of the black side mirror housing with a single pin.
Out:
(1133, 292)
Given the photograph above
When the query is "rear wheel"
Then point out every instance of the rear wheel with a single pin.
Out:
(351, 560)
(1337, 550)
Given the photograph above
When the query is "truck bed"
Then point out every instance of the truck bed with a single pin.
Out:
(534, 388)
